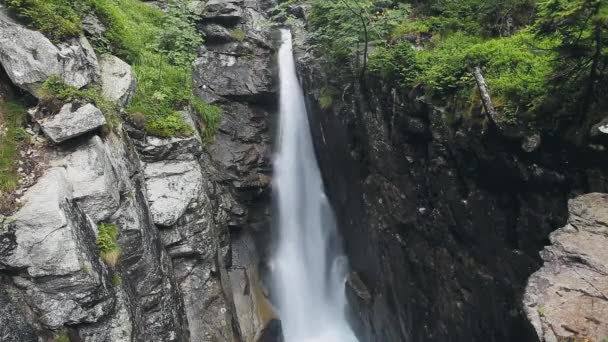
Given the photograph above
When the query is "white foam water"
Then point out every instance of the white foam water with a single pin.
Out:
(308, 267)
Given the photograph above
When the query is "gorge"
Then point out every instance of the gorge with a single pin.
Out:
(298, 171)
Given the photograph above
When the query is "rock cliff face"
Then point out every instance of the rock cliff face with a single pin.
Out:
(567, 297)
(442, 222)
(192, 216)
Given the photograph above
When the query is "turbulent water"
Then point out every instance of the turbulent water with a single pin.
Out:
(308, 268)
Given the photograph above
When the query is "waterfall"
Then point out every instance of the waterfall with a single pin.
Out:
(308, 267)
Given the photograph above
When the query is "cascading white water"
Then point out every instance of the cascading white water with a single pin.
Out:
(308, 267)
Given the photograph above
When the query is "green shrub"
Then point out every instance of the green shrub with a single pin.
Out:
(326, 97)
(107, 243)
(395, 63)
(13, 115)
(179, 38)
(238, 34)
(56, 19)
(516, 71)
(210, 115)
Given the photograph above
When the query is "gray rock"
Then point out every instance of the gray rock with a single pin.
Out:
(29, 58)
(54, 245)
(568, 296)
(93, 26)
(72, 121)
(171, 187)
(117, 80)
(119, 328)
(600, 129)
(90, 171)
(196, 7)
(216, 34)
(79, 62)
(228, 75)
(223, 10)
(14, 324)
(531, 143)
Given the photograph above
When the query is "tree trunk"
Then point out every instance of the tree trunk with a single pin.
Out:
(485, 96)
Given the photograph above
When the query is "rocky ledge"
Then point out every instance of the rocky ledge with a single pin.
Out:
(567, 299)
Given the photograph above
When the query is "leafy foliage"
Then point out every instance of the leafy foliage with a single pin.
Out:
(580, 28)
(532, 53)
(56, 19)
(106, 241)
(179, 39)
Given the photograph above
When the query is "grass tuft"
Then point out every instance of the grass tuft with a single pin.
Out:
(12, 118)
(107, 243)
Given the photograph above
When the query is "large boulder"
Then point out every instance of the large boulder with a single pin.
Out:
(29, 58)
(72, 121)
(567, 298)
(117, 80)
(172, 186)
(52, 243)
(91, 173)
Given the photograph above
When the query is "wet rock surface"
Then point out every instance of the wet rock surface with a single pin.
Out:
(567, 298)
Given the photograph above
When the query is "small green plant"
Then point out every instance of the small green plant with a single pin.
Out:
(541, 310)
(238, 34)
(56, 19)
(211, 116)
(13, 115)
(62, 337)
(326, 97)
(116, 280)
(107, 243)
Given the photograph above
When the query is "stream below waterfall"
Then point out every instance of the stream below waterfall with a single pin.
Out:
(309, 269)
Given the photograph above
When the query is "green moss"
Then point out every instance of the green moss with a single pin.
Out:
(13, 116)
(210, 115)
(56, 19)
(326, 97)
(107, 243)
(116, 280)
(238, 34)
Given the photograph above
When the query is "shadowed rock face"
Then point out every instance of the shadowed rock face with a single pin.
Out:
(441, 223)
(567, 297)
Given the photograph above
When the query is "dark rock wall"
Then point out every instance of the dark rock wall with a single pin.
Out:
(442, 223)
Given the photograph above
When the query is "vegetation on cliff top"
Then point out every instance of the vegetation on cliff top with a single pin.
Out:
(540, 58)
(160, 47)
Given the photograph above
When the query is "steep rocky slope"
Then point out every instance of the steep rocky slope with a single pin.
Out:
(189, 214)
